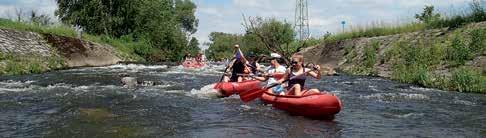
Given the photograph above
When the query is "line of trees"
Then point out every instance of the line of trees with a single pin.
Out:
(263, 36)
(165, 26)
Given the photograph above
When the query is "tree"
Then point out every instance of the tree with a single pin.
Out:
(193, 46)
(185, 11)
(275, 35)
(166, 24)
(221, 45)
(428, 15)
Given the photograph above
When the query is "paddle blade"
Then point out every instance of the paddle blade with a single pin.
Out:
(251, 95)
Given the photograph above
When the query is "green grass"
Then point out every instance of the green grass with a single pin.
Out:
(374, 30)
(475, 13)
(61, 30)
(416, 64)
(125, 46)
(465, 79)
(14, 65)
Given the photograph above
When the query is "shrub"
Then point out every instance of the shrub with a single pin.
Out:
(458, 52)
(478, 40)
(468, 80)
(370, 55)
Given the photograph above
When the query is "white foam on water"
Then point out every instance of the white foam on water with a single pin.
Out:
(396, 96)
(425, 89)
(129, 67)
(408, 115)
(206, 92)
(16, 86)
(3, 90)
(135, 66)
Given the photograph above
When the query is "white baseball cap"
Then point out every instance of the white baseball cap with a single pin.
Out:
(275, 55)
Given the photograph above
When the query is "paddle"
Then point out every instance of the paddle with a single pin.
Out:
(253, 94)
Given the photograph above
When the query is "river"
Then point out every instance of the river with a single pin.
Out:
(91, 102)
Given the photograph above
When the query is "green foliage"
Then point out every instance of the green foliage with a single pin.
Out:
(276, 36)
(459, 52)
(61, 30)
(370, 57)
(221, 45)
(19, 65)
(427, 15)
(373, 30)
(478, 40)
(165, 24)
(468, 80)
(476, 13)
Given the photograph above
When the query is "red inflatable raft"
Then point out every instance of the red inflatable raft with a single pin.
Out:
(230, 88)
(320, 105)
(192, 64)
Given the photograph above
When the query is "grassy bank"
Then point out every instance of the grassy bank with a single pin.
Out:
(16, 65)
(474, 13)
(444, 60)
(127, 47)
(10, 64)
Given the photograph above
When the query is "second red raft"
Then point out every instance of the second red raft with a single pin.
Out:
(321, 105)
(230, 88)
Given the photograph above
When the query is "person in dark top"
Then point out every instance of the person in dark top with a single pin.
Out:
(237, 66)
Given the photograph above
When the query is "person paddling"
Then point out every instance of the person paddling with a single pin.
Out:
(253, 63)
(237, 66)
(296, 85)
(200, 58)
(188, 57)
(276, 68)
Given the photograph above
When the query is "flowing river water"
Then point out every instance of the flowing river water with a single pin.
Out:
(91, 102)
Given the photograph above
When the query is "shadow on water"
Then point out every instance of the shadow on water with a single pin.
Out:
(90, 102)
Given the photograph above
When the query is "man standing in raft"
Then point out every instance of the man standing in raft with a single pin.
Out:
(297, 68)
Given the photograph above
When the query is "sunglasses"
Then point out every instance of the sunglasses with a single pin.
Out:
(294, 62)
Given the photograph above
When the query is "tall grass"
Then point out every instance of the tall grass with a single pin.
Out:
(19, 65)
(466, 79)
(417, 64)
(126, 46)
(61, 30)
(374, 30)
(475, 13)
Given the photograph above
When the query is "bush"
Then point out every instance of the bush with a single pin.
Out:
(370, 55)
(459, 53)
(468, 80)
(476, 13)
(478, 40)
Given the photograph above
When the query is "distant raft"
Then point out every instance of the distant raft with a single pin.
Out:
(193, 64)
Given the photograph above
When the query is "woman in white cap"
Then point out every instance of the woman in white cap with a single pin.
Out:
(276, 68)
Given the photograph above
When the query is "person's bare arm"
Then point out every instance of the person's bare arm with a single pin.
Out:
(317, 73)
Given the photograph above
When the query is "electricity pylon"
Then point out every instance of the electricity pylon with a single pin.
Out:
(302, 19)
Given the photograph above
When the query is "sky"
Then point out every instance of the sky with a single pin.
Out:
(324, 15)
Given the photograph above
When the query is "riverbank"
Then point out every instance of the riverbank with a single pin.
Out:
(444, 58)
(28, 48)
